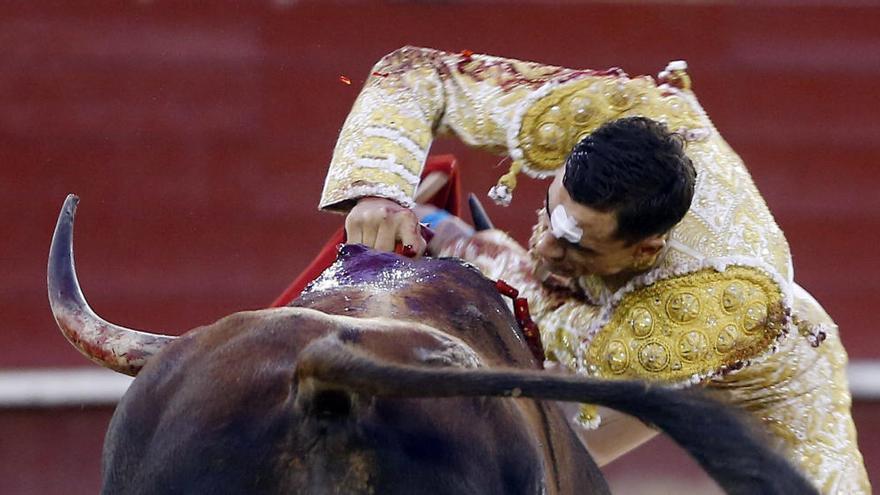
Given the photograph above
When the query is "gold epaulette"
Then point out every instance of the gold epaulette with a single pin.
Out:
(690, 327)
(559, 120)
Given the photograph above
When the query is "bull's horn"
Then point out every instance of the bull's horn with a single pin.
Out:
(118, 348)
(478, 213)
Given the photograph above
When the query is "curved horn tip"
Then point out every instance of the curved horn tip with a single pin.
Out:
(61, 247)
(67, 213)
(70, 203)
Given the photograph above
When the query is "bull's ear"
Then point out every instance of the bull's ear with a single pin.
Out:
(112, 346)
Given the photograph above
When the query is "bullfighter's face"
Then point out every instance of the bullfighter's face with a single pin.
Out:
(572, 240)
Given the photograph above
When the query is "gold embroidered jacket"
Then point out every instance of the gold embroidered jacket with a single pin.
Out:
(720, 308)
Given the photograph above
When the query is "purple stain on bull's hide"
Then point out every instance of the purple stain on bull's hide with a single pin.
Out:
(357, 265)
(426, 287)
(365, 266)
(445, 293)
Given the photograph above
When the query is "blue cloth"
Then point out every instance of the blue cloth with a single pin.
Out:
(435, 218)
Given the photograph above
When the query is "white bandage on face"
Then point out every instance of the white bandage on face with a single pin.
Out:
(563, 226)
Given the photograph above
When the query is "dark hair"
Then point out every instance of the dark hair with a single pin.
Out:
(635, 167)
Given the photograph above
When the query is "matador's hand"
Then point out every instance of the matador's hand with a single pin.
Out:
(378, 223)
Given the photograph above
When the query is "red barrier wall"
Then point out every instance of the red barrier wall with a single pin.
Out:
(198, 137)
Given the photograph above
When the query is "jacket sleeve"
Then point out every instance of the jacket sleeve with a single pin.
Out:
(533, 112)
(412, 95)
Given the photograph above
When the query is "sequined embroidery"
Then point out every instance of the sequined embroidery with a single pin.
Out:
(686, 306)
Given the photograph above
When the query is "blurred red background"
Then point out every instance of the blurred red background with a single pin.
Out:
(198, 137)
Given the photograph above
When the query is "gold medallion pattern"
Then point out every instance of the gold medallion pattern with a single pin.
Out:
(641, 321)
(732, 299)
(754, 317)
(726, 340)
(683, 307)
(682, 341)
(617, 356)
(654, 356)
(693, 346)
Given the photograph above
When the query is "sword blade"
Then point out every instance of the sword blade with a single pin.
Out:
(478, 213)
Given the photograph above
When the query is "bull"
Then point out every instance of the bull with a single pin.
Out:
(389, 375)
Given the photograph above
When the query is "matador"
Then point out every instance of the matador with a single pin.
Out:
(717, 306)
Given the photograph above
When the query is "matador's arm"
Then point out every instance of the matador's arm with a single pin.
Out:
(414, 94)
(411, 95)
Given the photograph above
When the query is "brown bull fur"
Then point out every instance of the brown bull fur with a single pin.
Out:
(388, 376)
(221, 407)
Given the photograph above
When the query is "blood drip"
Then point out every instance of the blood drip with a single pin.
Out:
(524, 319)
